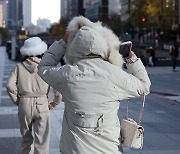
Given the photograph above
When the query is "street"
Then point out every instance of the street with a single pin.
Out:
(161, 118)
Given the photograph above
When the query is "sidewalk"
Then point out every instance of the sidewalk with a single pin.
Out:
(165, 82)
(161, 118)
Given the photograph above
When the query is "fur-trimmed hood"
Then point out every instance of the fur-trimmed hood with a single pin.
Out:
(86, 37)
(33, 46)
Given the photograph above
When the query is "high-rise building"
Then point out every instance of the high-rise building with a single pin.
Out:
(3, 13)
(64, 8)
(125, 9)
(93, 9)
(81, 10)
(71, 8)
(177, 8)
(101, 9)
(114, 8)
(11, 13)
(20, 14)
(14, 14)
(27, 12)
(43, 24)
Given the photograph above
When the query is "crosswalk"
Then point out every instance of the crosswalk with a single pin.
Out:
(9, 128)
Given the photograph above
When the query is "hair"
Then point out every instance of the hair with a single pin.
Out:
(26, 57)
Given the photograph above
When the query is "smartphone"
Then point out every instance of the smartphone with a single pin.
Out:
(125, 48)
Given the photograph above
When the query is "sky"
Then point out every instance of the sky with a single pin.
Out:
(48, 9)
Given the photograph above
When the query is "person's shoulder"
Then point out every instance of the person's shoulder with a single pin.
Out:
(19, 64)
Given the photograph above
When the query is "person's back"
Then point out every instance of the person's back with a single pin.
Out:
(174, 52)
(29, 92)
(92, 83)
(28, 79)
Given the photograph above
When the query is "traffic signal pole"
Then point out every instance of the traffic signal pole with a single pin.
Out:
(13, 45)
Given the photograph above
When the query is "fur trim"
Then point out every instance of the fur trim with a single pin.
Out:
(112, 40)
(33, 46)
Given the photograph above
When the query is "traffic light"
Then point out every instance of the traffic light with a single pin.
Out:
(143, 19)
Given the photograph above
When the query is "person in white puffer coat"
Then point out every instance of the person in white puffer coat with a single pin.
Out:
(92, 82)
(29, 92)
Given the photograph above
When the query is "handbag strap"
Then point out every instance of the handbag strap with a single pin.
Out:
(141, 110)
(127, 110)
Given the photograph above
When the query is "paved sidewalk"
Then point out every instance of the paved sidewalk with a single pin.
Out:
(165, 82)
(161, 117)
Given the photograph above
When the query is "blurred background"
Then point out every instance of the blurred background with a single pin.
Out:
(147, 23)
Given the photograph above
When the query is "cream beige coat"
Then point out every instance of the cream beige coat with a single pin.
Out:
(24, 80)
(29, 92)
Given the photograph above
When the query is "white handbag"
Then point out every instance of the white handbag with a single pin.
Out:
(132, 132)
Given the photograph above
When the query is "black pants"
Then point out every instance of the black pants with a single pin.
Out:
(174, 62)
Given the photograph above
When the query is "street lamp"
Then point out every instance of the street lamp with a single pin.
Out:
(13, 40)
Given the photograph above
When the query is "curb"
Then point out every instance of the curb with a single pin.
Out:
(163, 93)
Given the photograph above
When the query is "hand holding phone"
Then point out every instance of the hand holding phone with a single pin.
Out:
(125, 49)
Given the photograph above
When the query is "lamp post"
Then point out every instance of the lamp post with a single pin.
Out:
(13, 41)
(13, 45)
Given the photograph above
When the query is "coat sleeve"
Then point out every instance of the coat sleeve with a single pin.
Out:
(48, 69)
(11, 86)
(134, 83)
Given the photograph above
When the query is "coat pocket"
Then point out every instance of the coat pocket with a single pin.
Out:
(87, 120)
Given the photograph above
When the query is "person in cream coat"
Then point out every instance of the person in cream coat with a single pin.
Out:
(92, 82)
(29, 92)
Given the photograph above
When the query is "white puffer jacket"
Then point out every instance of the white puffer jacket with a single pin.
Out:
(92, 85)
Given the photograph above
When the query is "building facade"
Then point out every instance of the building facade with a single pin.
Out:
(114, 8)
(14, 14)
(125, 9)
(101, 9)
(92, 9)
(27, 12)
(3, 13)
(43, 24)
(177, 8)
(71, 8)
(64, 9)
(17, 13)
